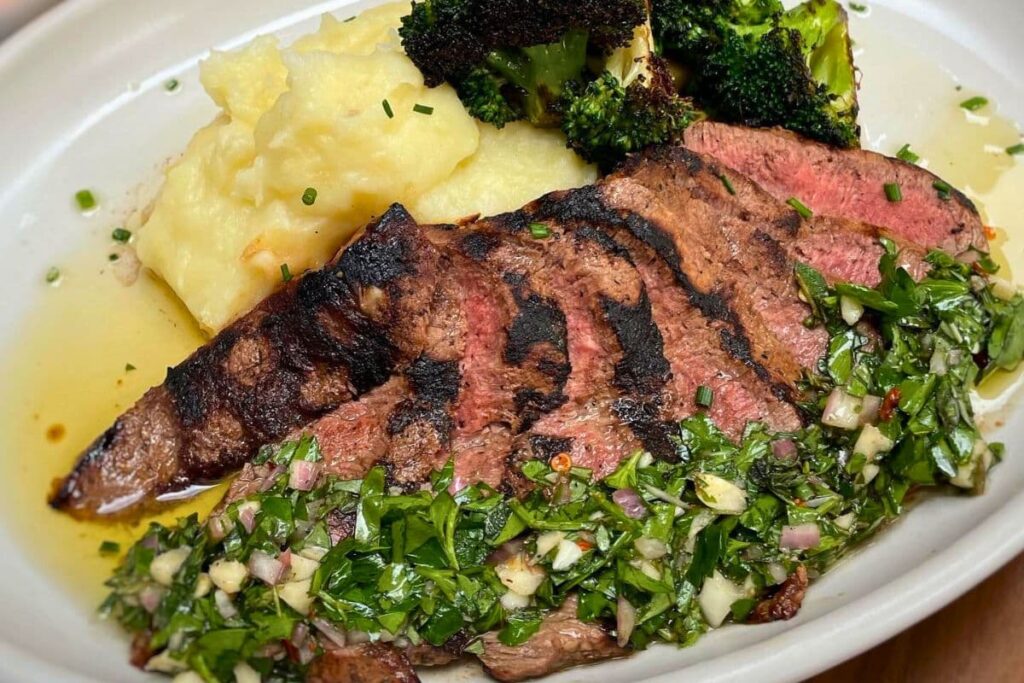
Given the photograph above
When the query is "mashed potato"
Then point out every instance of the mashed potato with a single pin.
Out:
(231, 212)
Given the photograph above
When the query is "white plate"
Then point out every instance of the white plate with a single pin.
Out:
(81, 103)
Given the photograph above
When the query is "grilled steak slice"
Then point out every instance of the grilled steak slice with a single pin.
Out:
(845, 183)
(786, 602)
(321, 341)
(366, 663)
(722, 253)
(562, 642)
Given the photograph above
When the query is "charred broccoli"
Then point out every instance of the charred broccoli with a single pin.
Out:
(755, 63)
(587, 67)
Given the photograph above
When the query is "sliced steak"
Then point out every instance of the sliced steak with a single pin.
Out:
(563, 641)
(324, 339)
(723, 254)
(845, 183)
(366, 663)
(785, 603)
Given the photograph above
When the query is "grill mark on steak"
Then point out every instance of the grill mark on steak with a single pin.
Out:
(355, 322)
(717, 237)
(845, 183)
(590, 205)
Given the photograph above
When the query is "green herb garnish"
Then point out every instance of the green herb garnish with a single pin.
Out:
(728, 184)
(286, 273)
(944, 189)
(908, 155)
(893, 192)
(86, 200)
(309, 196)
(974, 103)
(705, 396)
(800, 208)
(1015, 149)
(52, 275)
(540, 231)
(121, 235)
(388, 110)
(109, 548)
(423, 109)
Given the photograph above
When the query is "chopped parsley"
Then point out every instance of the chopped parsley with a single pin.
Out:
(944, 189)
(121, 235)
(85, 200)
(743, 514)
(974, 103)
(309, 196)
(52, 275)
(1015, 149)
(172, 85)
(857, 7)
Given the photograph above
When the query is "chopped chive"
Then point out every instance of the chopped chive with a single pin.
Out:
(309, 196)
(352, 18)
(944, 189)
(908, 155)
(423, 109)
(974, 103)
(86, 200)
(113, 257)
(800, 208)
(172, 85)
(728, 184)
(52, 275)
(540, 231)
(856, 7)
(893, 192)
(109, 548)
(1016, 149)
(128, 367)
(705, 396)
(121, 235)
(387, 109)
(286, 273)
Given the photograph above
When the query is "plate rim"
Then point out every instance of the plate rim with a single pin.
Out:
(794, 654)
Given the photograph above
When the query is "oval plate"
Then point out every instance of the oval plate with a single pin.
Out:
(83, 102)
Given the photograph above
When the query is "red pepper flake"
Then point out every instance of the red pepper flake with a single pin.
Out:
(561, 463)
(889, 404)
(583, 544)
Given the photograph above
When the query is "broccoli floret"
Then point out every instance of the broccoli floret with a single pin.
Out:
(631, 105)
(587, 67)
(754, 63)
(449, 40)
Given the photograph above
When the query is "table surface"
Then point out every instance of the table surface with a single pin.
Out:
(977, 639)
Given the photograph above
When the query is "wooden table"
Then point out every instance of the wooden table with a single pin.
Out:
(977, 639)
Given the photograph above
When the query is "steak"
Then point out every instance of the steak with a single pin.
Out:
(366, 663)
(846, 184)
(479, 341)
(562, 642)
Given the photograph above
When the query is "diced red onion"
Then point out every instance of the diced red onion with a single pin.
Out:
(224, 605)
(784, 449)
(266, 568)
(286, 559)
(800, 537)
(303, 475)
(271, 478)
(841, 410)
(506, 551)
(625, 621)
(357, 637)
(150, 597)
(299, 634)
(247, 516)
(332, 634)
(869, 409)
(150, 543)
(217, 528)
(630, 502)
